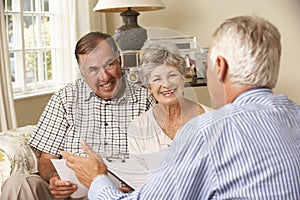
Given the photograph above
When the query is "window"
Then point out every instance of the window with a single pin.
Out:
(32, 28)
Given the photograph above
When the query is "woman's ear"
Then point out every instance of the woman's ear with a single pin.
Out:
(222, 68)
(183, 79)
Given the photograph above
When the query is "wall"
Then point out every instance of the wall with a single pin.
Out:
(201, 17)
(29, 110)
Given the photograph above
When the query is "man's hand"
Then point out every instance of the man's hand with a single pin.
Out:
(58, 188)
(61, 189)
(86, 169)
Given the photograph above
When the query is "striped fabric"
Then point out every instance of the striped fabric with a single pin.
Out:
(75, 113)
(249, 149)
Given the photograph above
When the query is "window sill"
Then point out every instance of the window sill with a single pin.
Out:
(35, 93)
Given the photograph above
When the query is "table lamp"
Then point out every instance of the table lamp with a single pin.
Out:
(130, 36)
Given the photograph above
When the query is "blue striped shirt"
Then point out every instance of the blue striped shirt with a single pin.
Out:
(249, 149)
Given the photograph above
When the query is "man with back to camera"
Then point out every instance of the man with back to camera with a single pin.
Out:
(246, 149)
(96, 108)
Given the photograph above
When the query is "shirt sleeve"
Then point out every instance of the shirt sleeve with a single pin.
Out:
(51, 128)
(103, 183)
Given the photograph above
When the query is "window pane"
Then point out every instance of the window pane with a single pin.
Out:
(46, 5)
(17, 59)
(46, 31)
(7, 5)
(28, 5)
(31, 66)
(48, 65)
(9, 27)
(29, 31)
(28, 20)
(12, 67)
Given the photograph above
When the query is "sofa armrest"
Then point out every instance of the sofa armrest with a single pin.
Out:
(16, 156)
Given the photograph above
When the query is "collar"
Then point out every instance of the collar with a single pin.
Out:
(252, 95)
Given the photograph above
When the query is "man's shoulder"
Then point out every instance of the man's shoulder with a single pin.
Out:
(76, 89)
(215, 117)
(72, 87)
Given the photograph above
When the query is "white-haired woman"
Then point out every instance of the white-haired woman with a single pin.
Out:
(163, 73)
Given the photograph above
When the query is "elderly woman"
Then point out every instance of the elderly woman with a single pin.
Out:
(163, 73)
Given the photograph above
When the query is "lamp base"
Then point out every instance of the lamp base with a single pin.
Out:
(130, 36)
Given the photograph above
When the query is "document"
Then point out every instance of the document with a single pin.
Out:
(67, 174)
(132, 171)
(129, 171)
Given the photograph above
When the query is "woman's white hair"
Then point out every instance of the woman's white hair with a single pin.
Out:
(157, 54)
(251, 46)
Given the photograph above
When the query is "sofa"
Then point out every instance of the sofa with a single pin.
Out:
(15, 155)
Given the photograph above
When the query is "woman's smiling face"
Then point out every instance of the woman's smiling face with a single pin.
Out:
(166, 84)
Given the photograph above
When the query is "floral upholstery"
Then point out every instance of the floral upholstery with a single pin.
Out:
(15, 155)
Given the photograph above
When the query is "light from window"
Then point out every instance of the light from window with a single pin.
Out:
(30, 26)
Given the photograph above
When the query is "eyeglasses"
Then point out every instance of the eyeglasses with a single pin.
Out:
(92, 71)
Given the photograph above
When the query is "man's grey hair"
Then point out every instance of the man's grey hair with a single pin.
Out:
(251, 46)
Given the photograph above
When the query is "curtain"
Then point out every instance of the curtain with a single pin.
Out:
(81, 19)
(7, 109)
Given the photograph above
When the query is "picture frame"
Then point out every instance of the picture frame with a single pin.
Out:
(130, 64)
(181, 42)
(130, 59)
(195, 59)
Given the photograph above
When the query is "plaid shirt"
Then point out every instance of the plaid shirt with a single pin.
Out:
(75, 113)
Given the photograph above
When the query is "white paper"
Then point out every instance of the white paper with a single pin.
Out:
(68, 174)
(154, 160)
(130, 172)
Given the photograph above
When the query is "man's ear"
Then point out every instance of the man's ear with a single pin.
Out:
(81, 71)
(222, 68)
(120, 61)
(149, 88)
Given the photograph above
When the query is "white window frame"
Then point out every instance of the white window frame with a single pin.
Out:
(39, 86)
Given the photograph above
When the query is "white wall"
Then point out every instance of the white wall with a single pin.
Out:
(201, 17)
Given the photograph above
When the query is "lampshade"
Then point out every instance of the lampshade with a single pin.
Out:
(123, 5)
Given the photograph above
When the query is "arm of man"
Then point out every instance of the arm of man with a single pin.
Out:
(59, 188)
(182, 168)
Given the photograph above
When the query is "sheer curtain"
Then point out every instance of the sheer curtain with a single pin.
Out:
(81, 19)
(78, 19)
(7, 108)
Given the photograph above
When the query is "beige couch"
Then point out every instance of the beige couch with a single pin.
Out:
(15, 155)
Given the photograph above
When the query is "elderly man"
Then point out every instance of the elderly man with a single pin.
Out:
(96, 108)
